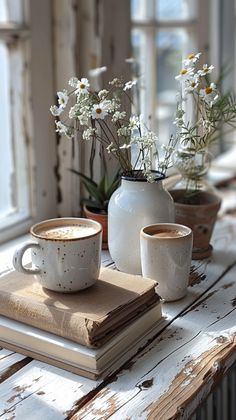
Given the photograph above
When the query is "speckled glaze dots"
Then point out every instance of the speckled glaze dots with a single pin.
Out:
(65, 252)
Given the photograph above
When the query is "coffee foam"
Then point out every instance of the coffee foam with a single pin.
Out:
(67, 232)
(174, 233)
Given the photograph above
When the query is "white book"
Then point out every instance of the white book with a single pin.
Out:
(77, 358)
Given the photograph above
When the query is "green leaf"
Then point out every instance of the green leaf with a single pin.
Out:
(101, 192)
(84, 177)
(94, 191)
(102, 186)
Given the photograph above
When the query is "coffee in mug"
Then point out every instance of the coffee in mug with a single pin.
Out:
(66, 253)
(166, 250)
(168, 234)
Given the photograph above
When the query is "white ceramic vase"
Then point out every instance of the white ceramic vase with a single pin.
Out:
(135, 204)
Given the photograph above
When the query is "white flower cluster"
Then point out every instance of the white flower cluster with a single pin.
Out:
(99, 116)
(192, 82)
(196, 129)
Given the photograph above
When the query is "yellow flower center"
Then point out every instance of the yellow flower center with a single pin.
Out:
(183, 71)
(193, 84)
(208, 90)
(205, 69)
(98, 110)
(82, 86)
(190, 56)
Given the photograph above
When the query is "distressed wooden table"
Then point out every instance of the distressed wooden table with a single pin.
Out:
(168, 379)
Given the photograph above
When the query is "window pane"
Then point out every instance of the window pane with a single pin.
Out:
(137, 42)
(6, 166)
(142, 9)
(11, 11)
(175, 9)
(14, 186)
(170, 45)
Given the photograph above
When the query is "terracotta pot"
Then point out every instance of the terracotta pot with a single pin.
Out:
(200, 217)
(89, 213)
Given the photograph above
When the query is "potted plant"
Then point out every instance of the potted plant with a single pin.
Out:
(95, 207)
(201, 113)
(141, 198)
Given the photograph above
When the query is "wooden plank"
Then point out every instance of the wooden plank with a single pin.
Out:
(64, 33)
(42, 135)
(7, 359)
(43, 391)
(177, 371)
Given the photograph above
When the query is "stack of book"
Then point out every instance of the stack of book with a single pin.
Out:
(91, 333)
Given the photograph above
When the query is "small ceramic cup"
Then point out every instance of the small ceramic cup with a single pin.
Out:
(166, 250)
(65, 252)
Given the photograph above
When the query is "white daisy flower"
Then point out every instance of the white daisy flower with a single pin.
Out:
(82, 86)
(205, 70)
(191, 60)
(130, 84)
(184, 74)
(62, 98)
(210, 94)
(99, 111)
(191, 84)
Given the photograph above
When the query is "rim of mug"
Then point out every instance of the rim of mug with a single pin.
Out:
(168, 226)
(63, 220)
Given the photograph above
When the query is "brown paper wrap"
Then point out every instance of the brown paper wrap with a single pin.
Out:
(90, 317)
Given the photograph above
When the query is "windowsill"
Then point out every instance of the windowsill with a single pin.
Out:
(7, 251)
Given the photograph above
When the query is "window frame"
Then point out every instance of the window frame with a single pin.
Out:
(39, 125)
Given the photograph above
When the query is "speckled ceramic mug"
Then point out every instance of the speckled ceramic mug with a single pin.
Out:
(166, 250)
(65, 252)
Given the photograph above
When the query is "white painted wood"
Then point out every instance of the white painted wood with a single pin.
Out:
(42, 391)
(41, 130)
(7, 251)
(7, 359)
(15, 37)
(5, 353)
(115, 49)
(64, 40)
(182, 342)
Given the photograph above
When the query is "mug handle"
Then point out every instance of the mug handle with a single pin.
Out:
(18, 256)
